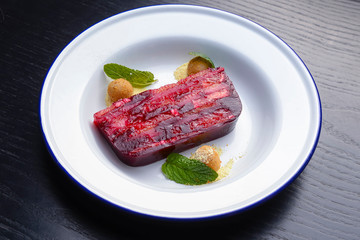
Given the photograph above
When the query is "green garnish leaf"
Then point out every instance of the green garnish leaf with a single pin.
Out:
(203, 56)
(137, 78)
(187, 171)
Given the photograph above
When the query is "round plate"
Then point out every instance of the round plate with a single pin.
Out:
(274, 138)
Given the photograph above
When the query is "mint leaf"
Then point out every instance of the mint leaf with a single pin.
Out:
(203, 56)
(187, 171)
(137, 78)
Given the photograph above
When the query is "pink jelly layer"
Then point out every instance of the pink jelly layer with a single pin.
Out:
(149, 126)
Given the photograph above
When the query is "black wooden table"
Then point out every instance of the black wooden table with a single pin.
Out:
(39, 201)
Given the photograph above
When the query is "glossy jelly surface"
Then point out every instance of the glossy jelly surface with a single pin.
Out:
(148, 126)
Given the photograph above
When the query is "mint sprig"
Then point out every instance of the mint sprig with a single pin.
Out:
(187, 171)
(137, 78)
(203, 56)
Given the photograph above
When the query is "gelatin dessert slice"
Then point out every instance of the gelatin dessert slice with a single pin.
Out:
(148, 126)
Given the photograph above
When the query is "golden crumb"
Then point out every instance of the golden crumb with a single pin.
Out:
(197, 64)
(119, 89)
(181, 72)
(218, 149)
(207, 155)
(108, 101)
(225, 170)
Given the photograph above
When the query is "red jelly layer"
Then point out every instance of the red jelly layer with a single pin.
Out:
(150, 125)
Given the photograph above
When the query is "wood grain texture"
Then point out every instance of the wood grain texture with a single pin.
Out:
(39, 201)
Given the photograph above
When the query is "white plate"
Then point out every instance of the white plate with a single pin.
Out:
(274, 139)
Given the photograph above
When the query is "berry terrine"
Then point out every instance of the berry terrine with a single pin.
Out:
(149, 126)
